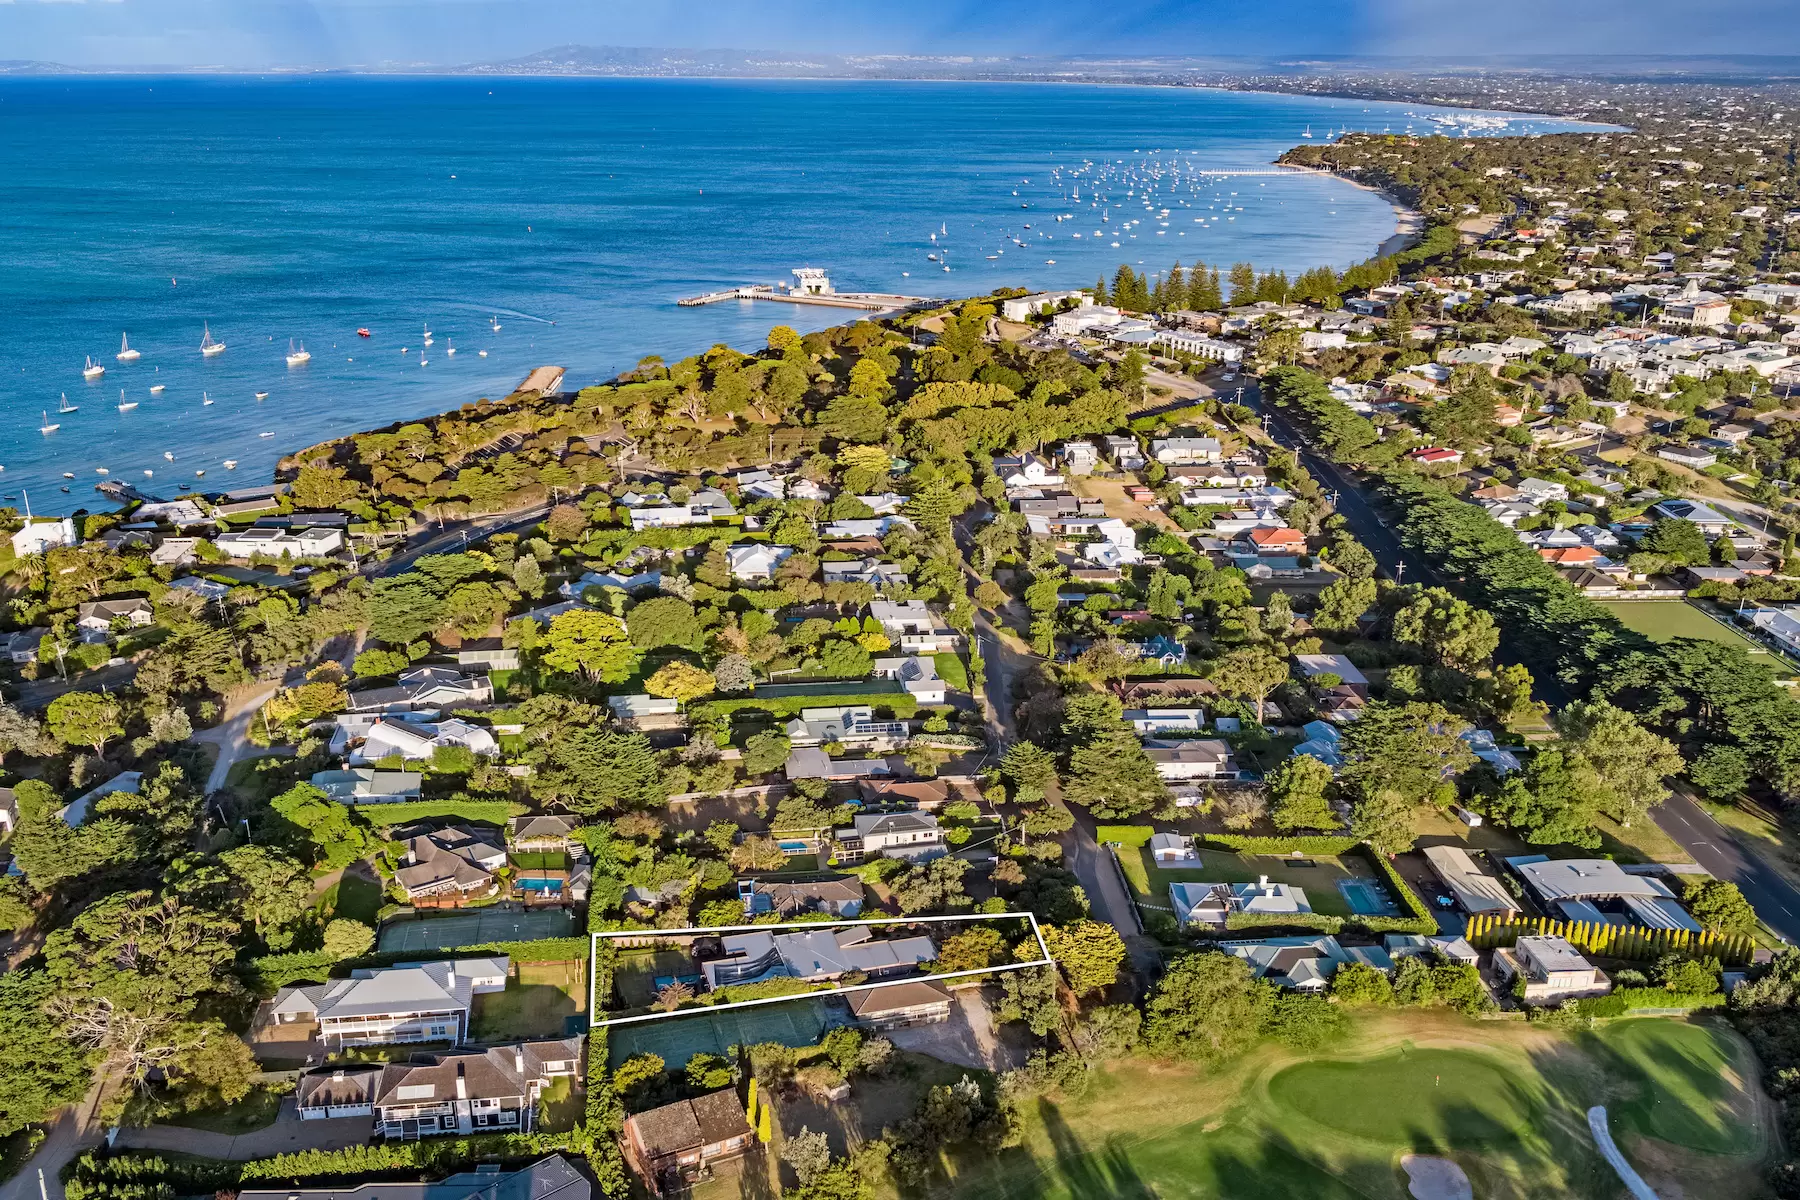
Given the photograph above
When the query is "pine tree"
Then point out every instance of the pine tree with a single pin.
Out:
(1100, 291)
(1125, 288)
(1243, 283)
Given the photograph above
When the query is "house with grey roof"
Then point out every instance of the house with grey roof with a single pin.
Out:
(425, 689)
(1214, 903)
(1305, 964)
(840, 897)
(814, 955)
(407, 1002)
(544, 831)
(1599, 890)
(459, 860)
(551, 1178)
(913, 836)
(480, 1091)
(366, 785)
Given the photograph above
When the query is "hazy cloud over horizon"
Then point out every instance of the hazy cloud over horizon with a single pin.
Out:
(340, 33)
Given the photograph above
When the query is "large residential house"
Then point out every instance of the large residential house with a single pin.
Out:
(96, 619)
(1192, 758)
(1023, 308)
(1553, 970)
(407, 1002)
(1475, 890)
(851, 725)
(842, 897)
(425, 689)
(308, 542)
(388, 736)
(814, 956)
(1212, 903)
(913, 836)
(366, 785)
(669, 1147)
(875, 573)
(489, 1091)
(44, 533)
(1305, 964)
(551, 1178)
(1594, 889)
(458, 861)
(1172, 451)
(917, 675)
(756, 560)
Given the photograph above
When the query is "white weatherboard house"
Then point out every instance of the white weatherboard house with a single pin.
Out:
(46, 534)
(407, 1002)
(1212, 903)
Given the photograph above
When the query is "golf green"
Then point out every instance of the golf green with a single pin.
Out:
(1678, 1083)
(1425, 1099)
(1236, 1162)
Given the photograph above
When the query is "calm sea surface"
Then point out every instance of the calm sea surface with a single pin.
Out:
(573, 213)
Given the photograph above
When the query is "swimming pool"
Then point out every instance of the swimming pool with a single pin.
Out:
(1365, 898)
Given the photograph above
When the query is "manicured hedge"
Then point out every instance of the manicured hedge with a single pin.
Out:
(1246, 844)
(1398, 885)
(787, 706)
(1625, 1000)
(274, 971)
(487, 812)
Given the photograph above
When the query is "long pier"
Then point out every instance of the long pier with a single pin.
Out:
(862, 301)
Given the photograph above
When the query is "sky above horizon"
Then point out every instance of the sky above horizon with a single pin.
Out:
(345, 33)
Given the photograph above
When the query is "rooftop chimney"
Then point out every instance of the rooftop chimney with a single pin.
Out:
(462, 1084)
(519, 1061)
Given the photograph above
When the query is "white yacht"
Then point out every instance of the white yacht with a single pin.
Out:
(66, 407)
(427, 335)
(296, 357)
(209, 347)
(448, 348)
(48, 426)
(126, 353)
(205, 399)
(92, 370)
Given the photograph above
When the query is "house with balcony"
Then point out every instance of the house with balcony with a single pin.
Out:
(671, 1146)
(913, 836)
(1553, 970)
(1192, 758)
(489, 1091)
(450, 864)
(407, 1002)
(366, 785)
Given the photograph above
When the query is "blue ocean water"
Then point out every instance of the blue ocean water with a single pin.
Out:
(573, 213)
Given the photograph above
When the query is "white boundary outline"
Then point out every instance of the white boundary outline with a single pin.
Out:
(799, 927)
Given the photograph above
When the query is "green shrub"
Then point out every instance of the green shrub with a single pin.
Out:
(1249, 844)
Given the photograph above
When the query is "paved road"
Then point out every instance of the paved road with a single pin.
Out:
(287, 1135)
(1634, 1183)
(72, 1132)
(1775, 899)
(454, 536)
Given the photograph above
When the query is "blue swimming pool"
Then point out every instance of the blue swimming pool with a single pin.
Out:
(795, 847)
(539, 885)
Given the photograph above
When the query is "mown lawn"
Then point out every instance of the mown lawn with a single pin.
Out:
(354, 897)
(1151, 882)
(1505, 1101)
(951, 670)
(538, 1002)
(1663, 620)
(256, 1111)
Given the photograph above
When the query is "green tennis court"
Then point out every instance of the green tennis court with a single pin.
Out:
(476, 926)
(798, 1022)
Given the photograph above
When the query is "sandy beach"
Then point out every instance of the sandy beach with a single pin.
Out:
(1408, 223)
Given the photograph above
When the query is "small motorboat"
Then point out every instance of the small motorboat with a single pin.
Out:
(262, 395)
(271, 433)
(363, 331)
(169, 455)
(92, 370)
(483, 353)
(149, 474)
(156, 388)
(68, 474)
(231, 464)
(126, 353)
(199, 474)
(101, 471)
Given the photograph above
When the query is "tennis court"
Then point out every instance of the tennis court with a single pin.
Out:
(475, 926)
(800, 1022)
